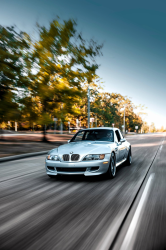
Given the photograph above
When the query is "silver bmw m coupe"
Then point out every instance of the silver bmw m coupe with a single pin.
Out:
(90, 152)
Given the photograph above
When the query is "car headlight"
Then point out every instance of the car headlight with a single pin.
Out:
(53, 157)
(93, 157)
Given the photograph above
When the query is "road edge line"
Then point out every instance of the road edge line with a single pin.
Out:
(17, 157)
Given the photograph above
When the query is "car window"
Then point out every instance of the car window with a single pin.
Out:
(118, 135)
(94, 135)
(99, 135)
(79, 136)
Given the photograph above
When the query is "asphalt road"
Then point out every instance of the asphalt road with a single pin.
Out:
(128, 212)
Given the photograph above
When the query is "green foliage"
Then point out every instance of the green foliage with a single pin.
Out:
(153, 128)
(145, 127)
(63, 61)
(13, 48)
(50, 78)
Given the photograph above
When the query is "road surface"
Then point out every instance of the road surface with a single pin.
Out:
(128, 212)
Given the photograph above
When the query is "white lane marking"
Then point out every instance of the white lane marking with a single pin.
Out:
(126, 245)
(161, 146)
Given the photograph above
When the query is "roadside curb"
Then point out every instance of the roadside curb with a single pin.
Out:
(17, 157)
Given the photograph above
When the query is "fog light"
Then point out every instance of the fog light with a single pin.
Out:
(50, 168)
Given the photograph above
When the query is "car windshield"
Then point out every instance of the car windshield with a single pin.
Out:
(94, 135)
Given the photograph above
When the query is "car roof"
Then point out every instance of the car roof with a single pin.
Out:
(111, 128)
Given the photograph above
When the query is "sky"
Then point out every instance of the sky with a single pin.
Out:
(134, 36)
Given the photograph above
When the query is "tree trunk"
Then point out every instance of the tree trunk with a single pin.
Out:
(44, 134)
(1, 135)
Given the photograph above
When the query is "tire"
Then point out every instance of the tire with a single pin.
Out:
(129, 158)
(112, 167)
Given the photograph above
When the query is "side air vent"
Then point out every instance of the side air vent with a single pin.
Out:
(70, 170)
(51, 168)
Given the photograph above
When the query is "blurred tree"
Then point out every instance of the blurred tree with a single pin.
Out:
(153, 128)
(131, 118)
(50, 78)
(83, 102)
(145, 127)
(162, 129)
(62, 61)
(108, 108)
(106, 111)
(13, 78)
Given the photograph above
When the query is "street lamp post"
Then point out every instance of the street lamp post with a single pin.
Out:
(69, 127)
(125, 105)
(124, 119)
(61, 127)
(55, 120)
(61, 124)
(88, 107)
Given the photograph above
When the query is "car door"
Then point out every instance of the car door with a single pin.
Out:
(117, 151)
(121, 147)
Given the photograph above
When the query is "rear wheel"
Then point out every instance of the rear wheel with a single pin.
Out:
(112, 167)
(129, 158)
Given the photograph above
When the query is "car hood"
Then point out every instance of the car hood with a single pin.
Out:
(83, 148)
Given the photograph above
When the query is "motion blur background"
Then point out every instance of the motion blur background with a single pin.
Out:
(124, 66)
(67, 65)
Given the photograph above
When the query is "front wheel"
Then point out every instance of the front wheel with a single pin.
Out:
(129, 158)
(112, 167)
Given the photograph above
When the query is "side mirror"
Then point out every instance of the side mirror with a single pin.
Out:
(122, 140)
(68, 141)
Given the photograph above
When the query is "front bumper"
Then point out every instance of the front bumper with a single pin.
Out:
(72, 168)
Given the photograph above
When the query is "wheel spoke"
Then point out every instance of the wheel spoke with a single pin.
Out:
(112, 166)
